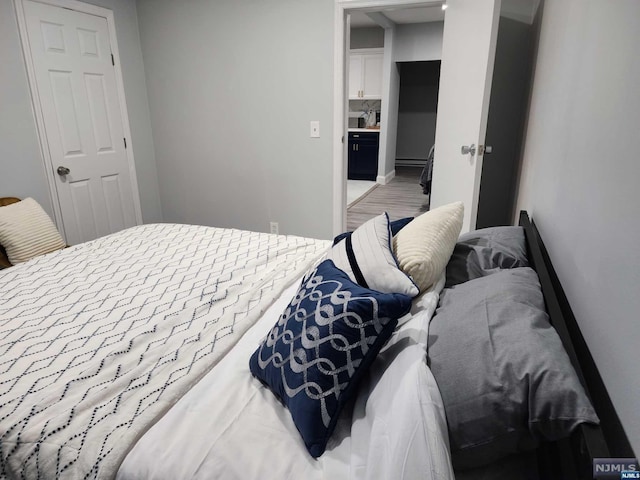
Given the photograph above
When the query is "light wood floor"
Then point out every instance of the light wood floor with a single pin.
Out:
(401, 197)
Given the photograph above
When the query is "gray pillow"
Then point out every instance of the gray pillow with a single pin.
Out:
(505, 378)
(486, 251)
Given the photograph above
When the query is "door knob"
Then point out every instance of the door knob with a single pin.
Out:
(465, 150)
(62, 171)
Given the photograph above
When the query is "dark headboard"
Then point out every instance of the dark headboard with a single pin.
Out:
(573, 457)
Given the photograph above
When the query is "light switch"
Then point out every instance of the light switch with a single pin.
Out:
(315, 129)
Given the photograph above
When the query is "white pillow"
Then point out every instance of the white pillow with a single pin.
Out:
(423, 247)
(26, 231)
(365, 255)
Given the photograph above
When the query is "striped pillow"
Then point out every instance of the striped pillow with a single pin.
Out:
(424, 247)
(366, 257)
(26, 231)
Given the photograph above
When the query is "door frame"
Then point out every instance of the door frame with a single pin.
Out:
(340, 95)
(37, 107)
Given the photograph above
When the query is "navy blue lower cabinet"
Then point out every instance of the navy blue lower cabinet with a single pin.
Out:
(363, 156)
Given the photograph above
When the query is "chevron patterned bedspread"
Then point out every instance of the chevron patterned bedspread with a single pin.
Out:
(99, 340)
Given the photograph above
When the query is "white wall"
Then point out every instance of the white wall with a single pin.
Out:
(581, 176)
(21, 163)
(389, 110)
(232, 88)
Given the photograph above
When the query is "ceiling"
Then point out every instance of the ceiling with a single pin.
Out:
(400, 16)
(520, 10)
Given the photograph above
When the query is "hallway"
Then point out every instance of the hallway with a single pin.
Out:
(402, 197)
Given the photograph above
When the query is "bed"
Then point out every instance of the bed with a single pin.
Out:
(132, 357)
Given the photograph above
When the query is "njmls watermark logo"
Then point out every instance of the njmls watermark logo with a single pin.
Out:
(618, 468)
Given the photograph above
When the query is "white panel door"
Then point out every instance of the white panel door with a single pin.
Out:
(468, 52)
(76, 85)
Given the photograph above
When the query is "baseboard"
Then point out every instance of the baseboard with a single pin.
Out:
(383, 180)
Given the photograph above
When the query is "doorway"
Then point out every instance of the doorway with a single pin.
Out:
(417, 111)
(408, 41)
(74, 73)
(467, 53)
(417, 115)
(407, 194)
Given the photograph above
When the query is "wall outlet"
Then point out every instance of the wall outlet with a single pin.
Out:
(274, 227)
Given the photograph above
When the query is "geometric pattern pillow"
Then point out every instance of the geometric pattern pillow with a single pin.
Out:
(26, 231)
(367, 258)
(424, 247)
(322, 345)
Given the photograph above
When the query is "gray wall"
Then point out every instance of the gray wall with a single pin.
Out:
(366, 37)
(581, 175)
(21, 164)
(413, 43)
(418, 42)
(232, 88)
(417, 109)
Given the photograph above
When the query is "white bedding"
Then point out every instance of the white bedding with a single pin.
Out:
(399, 428)
(98, 341)
(229, 426)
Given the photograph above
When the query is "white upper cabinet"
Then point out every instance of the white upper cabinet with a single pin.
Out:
(365, 74)
(355, 75)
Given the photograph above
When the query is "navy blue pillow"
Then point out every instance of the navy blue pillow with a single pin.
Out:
(323, 343)
(395, 226)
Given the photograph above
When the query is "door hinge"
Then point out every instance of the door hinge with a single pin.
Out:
(125, 142)
(113, 61)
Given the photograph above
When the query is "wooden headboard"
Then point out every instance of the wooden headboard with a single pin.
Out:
(573, 457)
(4, 201)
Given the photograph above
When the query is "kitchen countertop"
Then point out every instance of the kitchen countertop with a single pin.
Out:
(364, 130)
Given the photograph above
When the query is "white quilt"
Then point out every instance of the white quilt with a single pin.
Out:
(231, 427)
(99, 340)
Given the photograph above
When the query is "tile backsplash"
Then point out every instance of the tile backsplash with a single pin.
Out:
(358, 108)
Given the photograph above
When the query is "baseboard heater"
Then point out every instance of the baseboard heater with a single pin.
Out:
(410, 162)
